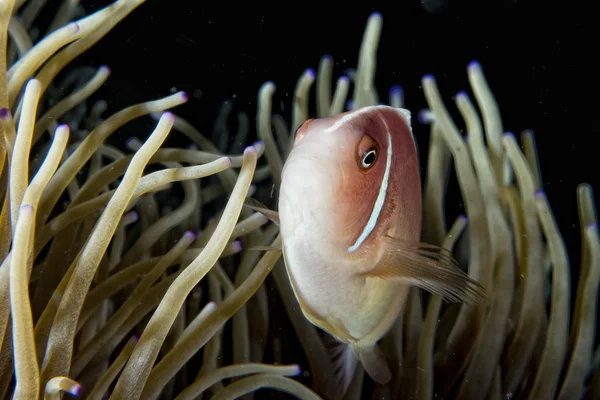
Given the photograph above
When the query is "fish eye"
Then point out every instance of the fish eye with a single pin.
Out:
(368, 159)
(367, 153)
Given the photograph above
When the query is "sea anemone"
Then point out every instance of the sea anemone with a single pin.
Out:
(108, 290)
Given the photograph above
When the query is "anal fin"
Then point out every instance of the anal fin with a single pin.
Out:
(374, 363)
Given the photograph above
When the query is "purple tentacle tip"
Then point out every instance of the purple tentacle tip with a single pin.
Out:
(506, 135)
(76, 390)
(396, 89)
(375, 14)
(327, 57)
(75, 26)
(105, 69)
(310, 72)
(4, 113)
(428, 77)
(190, 235)
(184, 96)
(591, 226)
(135, 338)
(474, 64)
(134, 215)
(425, 116)
(462, 93)
(539, 193)
(463, 217)
(130, 142)
(258, 144)
(238, 244)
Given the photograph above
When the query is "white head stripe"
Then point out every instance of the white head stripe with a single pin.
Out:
(349, 117)
(405, 114)
(379, 202)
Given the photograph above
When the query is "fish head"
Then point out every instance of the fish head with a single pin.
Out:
(351, 177)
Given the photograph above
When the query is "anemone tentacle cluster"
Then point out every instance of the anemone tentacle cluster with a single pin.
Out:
(107, 292)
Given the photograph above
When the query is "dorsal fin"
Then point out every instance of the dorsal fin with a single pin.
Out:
(256, 205)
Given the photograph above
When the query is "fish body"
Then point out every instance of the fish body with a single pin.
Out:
(333, 209)
(350, 212)
(349, 180)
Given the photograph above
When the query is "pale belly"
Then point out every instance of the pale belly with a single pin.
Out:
(331, 294)
(333, 298)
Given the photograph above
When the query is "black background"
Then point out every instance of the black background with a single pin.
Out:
(539, 60)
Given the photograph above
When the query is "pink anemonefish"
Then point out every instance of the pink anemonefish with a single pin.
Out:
(350, 220)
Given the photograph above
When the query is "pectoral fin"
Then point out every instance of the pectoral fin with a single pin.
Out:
(256, 205)
(429, 267)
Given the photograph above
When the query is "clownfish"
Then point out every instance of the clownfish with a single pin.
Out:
(350, 214)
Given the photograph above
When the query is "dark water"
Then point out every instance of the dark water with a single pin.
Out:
(539, 61)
